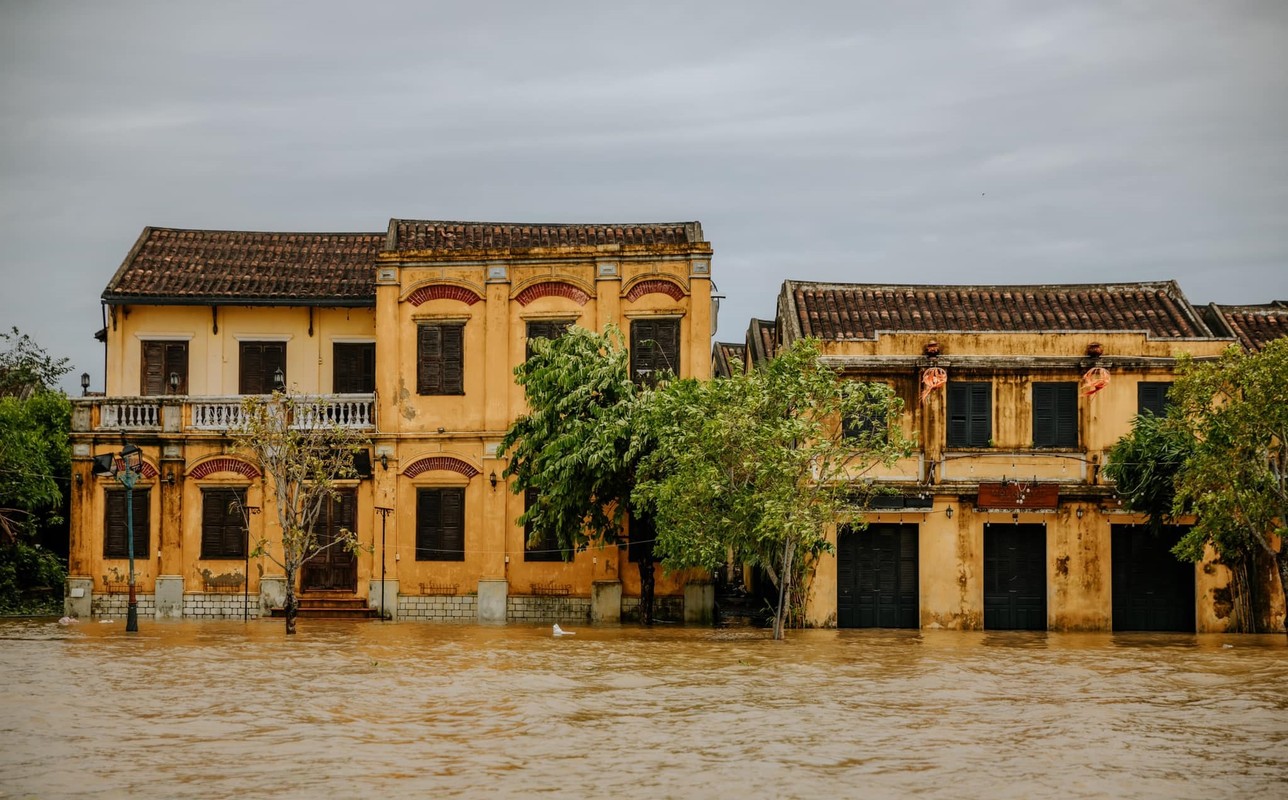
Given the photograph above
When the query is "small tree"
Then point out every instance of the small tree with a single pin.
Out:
(1236, 479)
(302, 456)
(761, 462)
(576, 446)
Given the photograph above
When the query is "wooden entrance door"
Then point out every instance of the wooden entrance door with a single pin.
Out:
(335, 568)
(1152, 590)
(1015, 577)
(876, 577)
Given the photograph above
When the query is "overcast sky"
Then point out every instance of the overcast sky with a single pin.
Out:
(998, 142)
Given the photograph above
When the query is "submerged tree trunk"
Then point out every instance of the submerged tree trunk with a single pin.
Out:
(292, 603)
(784, 589)
(646, 588)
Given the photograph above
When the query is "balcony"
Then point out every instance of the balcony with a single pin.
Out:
(213, 414)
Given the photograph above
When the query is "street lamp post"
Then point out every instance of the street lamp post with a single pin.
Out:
(132, 458)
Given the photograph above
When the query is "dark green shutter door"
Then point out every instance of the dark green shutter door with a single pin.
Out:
(1043, 415)
(1014, 577)
(981, 414)
(1066, 428)
(1152, 589)
(877, 577)
(958, 415)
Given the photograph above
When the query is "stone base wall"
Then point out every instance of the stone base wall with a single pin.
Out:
(117, 606)
(666, 608)
(438, 608)
(215, 605)
(538, 608)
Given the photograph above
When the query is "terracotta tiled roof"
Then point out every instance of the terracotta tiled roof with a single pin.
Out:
(727, 358)
(762, 340)
(1253, 326)
(859, 311)
(412, 234)
(194, 266)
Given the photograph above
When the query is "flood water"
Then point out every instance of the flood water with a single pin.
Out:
(344, 710)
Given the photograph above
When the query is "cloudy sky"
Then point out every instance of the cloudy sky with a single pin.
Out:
(984, 142)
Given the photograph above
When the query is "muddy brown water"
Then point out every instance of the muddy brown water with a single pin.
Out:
(344, 710)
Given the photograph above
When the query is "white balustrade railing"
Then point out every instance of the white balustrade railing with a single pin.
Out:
(140, 414)
(216, 413)
(311, 411)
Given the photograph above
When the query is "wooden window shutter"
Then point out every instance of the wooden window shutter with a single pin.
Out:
(453, 525)
(354, 368)
(428, 512)
(1151, 397)
(546, 329)
(1055, 414)
(981, 414)
(115, 531)
(1043, 415)
(958, 414)
(655, 347)
(1066, 419)
(429, 359)
(153, 372)
(454, 359)
(251, 369)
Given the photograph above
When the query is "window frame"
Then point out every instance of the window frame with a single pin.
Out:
(1062, 430)
(971, 417)
(364, 354)
(528, 335)
(443, 373)
(167, 356)
(646, 347)
(142, 523)
(261, 378)
(429, 548)
(1145, 387)
(229, 548)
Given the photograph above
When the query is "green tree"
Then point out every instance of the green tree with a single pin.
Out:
(302, 455)
(577, 446)
(1145, 463)
(759, 463)
(1235, 481)
(35, 465)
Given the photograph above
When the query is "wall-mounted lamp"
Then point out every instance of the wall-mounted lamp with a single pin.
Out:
(79, 479)
(1079, 512)
(384, 461)
(168, 480)
(84, 384)
(948, 512)
(279, 379)
(492, 479)
(441, 429)
(174, 383)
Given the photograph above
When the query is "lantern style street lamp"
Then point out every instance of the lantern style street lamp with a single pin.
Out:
(132, 459)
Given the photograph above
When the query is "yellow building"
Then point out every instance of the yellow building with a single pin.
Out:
(410, 335)
(1003, 519)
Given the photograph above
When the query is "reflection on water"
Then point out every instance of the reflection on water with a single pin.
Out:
(227, 709)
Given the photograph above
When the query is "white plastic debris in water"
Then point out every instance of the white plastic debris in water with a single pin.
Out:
(68, 621)
(561, 632)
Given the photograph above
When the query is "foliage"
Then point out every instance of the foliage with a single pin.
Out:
(25, 367)
(35, 457)
(759, 463)
(302, 456)
(1144, 465)
(576, 445)
(1236, 480)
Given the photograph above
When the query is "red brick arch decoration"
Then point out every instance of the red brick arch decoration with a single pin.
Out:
(146, 470)
(440, 462)
(214, 465)
(443, 291)
(655, 287)
(552, 289)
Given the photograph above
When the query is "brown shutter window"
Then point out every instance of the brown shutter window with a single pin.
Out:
(655, 348)
(115, 532)
(354, 368)
(546, 329)
(223, 527)
(440, 359)
(440, 525)
(259, 362)
(546, 547)
(160, 360)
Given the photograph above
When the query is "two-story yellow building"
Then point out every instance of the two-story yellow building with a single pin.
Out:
(410, 335)
(1002, 519)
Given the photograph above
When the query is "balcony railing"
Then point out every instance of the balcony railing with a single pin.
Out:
(176, 414)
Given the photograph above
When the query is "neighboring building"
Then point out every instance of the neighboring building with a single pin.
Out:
(727, 358)
(411, 335)
(1253, 326)
(1003, 519)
